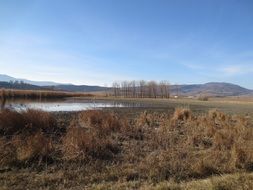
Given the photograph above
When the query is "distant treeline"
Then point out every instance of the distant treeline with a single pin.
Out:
(141, 89)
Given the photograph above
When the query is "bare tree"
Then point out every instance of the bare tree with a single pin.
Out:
(164, 89)
(152, 89)
(167, 89)
(142, 86)
(124, 88)
(141, 89)
(116, 89)
(133, 88)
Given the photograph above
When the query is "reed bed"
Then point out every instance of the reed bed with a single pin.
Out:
(100, 146)
(38, 94)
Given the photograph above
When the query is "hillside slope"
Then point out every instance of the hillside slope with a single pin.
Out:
(210, 89)
(79, 88)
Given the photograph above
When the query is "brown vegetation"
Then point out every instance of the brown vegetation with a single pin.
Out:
(26, 137)
(203, 98)
(103, 146)
(90, 136)
(38, 94)
(197, 146)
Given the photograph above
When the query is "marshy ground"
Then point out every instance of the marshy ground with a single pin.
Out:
(166, 144)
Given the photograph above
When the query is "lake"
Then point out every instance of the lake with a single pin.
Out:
(65, 105)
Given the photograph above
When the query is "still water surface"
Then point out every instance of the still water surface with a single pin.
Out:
(65, 105)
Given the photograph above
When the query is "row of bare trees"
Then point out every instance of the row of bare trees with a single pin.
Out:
(141, 89)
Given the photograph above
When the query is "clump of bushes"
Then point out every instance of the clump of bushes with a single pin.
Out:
(149, 120)
(26, 122)
(26, 137)
(152, 146)
(203, 98)
(33, 149)
(100, 121)
(181, 114)
(90, 136)
(202, 145)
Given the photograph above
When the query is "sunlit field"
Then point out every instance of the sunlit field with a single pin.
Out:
(158, 148)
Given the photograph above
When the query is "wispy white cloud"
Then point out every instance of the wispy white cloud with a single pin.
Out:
(193, 66)
(233, 70)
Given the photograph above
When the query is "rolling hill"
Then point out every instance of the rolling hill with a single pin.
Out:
(208, 89)
(9, 82)
(78, 88)
(21, 86)
(7, 78)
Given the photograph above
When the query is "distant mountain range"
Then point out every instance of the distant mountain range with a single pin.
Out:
(208, 89)
(7, 78)
(78, 88)
(33, 85)
(20, 86)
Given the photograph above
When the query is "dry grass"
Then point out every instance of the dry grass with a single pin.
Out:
(102, 122)
(26, 136)
(90, 136)
(103, 150)
(31, 150)
(181, 114)
(197, 146)
(238, 181)
(80, 144)
(26, 122)
(40, 94)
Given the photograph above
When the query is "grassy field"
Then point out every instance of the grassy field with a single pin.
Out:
(174, 144)
(242, 106)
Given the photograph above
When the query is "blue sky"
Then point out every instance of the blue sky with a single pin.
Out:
(100, 41)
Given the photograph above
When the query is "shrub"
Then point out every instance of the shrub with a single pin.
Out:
(25, 136)
(101, 121)
(203, 98)
(7, 153)
(33, 148)
(89, 136)
(181, 114)
(197, 146)
(26, 122)
(152, 120)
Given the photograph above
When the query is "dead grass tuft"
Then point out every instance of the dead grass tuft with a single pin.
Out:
(33, 148)
(152, 147)
(26, 137)
(7, 153)
(101, 121)
(181, 114)
(26, 122)
(203, 145)
(89, 136)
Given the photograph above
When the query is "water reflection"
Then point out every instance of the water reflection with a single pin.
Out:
(66, 105)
